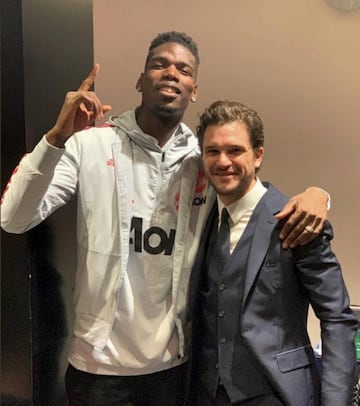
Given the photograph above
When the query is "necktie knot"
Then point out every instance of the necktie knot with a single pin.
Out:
(224, 216)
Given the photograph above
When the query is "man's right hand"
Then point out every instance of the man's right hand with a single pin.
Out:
(80, 109)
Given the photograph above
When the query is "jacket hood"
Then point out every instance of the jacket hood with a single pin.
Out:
(181, 143)
(125, 122)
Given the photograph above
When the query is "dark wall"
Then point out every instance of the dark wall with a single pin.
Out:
(47, 50)
(15, 286)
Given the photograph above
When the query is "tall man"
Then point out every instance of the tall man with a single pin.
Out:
(250, 308)
(142, 201)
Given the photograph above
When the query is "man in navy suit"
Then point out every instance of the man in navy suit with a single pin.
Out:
(250, 303)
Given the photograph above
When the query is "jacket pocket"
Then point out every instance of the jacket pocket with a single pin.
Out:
(294, 359)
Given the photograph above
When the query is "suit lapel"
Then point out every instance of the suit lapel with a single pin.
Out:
(199, 262)
(265, 224)
(271, 203)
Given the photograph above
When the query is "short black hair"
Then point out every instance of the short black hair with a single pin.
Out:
(177, 37)
(222, 112)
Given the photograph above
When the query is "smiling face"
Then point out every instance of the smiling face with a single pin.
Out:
(230, 162)
(168, 82)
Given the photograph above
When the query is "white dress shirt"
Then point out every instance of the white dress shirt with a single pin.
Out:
(241, 210)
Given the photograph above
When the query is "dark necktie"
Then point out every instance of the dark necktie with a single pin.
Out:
(223, 238)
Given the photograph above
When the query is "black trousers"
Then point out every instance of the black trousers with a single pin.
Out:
(203, 398)
(165, 388)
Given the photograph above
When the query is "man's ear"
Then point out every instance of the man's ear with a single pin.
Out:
(259, 153)
(139, 83)
(193, 97)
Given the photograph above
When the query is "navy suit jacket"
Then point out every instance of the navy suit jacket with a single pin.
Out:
(279, 287)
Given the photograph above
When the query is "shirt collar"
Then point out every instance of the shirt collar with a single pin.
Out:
(248, 201)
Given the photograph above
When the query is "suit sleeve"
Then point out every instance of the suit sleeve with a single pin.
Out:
(44, 180)
(321, 275)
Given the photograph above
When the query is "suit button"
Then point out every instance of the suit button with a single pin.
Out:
(221, 286)
(221, 313)
(222, 340)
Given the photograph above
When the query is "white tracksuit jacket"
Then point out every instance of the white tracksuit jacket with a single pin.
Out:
(97, 165)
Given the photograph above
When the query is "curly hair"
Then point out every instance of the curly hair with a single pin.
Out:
(222, 112)
(177, 37)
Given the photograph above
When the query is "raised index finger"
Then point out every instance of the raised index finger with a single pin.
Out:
(88, 82)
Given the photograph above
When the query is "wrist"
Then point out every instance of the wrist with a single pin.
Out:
(326, 195)
(55, 139)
